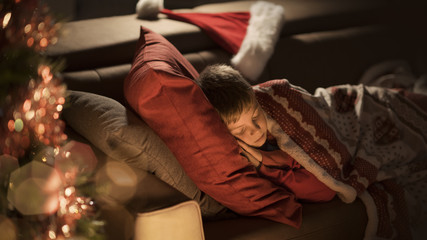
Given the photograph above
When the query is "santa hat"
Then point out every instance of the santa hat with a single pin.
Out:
(249, 36)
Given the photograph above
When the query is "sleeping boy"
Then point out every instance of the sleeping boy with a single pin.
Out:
(233, 98)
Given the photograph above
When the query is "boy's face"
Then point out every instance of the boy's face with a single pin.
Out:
(251, 127)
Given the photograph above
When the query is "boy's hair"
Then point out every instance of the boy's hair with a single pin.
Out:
(227, 90)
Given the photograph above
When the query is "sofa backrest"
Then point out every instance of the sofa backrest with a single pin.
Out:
(323, 43)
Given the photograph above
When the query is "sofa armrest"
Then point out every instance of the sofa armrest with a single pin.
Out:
(152, 194)
(180, 222)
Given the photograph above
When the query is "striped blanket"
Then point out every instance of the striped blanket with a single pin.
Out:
(366, 142)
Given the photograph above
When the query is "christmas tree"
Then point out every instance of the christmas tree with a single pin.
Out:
(42, 194)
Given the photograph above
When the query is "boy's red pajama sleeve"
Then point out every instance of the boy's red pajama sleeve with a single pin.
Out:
(284, 171)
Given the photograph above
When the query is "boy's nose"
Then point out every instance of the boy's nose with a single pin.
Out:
(252, 132)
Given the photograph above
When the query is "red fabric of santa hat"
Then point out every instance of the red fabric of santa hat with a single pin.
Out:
(226, 29)
(249, 36)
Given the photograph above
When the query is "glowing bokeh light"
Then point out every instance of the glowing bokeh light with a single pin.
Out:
(40, 129)
(37, 96)
(36, 181)
(66, 230)
(27, 28)
(41, 26)
(44, 42)
(69, 190)
(27, 105)
(11, 125)
(52, 234)
(29, 115)
(19, 125)
(61, 100)
(30, 42)
(45, 91)
(116, 181)
(75, 157)
(6, 19)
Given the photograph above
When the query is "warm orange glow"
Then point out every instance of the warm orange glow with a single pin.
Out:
(44, 42)
(11, 125)
(41, 129)
(27, 105)
(30, 42)
(52, 204)
(44, 71)
(41, 112)
(53, 182)
(61, 100)
(43, 102)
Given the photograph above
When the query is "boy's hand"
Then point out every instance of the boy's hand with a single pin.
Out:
(269, 158)
(254, 155)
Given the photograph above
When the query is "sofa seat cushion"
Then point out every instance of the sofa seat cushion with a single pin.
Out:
(108, 41)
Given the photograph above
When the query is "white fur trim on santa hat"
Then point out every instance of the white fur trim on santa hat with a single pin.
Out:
(148, 9)
(263, 31)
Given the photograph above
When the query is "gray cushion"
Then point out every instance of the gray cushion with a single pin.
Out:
(123, 136)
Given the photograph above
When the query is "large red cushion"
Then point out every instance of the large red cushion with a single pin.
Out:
(160, 88)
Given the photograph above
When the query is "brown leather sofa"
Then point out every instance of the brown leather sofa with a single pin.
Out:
(323, 43)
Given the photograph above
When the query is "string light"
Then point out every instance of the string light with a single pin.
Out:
(39, 114)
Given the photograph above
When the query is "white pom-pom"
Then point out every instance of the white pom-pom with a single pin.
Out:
(148, 9)
(262, 33)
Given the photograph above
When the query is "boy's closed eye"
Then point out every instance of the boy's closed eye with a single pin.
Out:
(240, 132)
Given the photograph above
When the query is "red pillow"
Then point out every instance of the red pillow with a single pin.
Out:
(160, 88)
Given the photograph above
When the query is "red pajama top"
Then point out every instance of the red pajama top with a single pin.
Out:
(281, 169)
